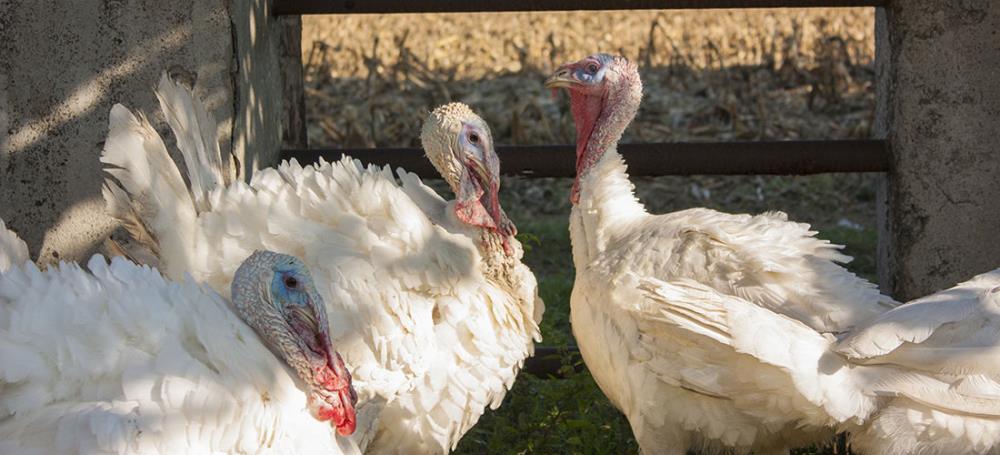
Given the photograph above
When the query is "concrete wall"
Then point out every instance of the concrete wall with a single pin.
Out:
(63, 64)
(938, 103)
(259, 112)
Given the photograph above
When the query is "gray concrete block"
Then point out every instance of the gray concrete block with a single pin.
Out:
(257, 128)
(938, 102)
(63, 64)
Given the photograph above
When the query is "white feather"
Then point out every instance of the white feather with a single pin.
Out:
(139, 161)
(120, 360)
(13, 250)
(942, 359)
(195, 131)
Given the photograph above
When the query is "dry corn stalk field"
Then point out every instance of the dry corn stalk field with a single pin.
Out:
(707, 75)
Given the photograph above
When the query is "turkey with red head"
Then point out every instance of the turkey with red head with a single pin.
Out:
(681, 389)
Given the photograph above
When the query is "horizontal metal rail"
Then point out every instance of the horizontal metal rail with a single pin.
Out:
(652, 159)
(473, 6)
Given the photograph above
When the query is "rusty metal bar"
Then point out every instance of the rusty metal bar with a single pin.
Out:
(473, 6)
(653, 159)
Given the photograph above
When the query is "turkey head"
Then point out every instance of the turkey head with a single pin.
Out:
(460, 146)
(274, 294)
(605, 92)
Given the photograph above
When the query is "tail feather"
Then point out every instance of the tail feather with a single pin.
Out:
(150, 194)
(13, 250)
(142, 164)
(150, 197)
(121, 208)
(139, 254)
(195, 130)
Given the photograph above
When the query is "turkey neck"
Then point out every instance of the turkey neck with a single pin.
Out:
(502, 269)
(607, 204)
(606, 195)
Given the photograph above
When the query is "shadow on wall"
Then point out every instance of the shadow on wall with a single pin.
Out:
(62, 67)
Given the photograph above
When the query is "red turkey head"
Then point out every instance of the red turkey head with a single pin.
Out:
(604, 92)
(460, 146)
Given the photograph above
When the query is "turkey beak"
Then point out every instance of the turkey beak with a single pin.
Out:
(480, 172)
(489, 176)
(562, 78)
(478, 202)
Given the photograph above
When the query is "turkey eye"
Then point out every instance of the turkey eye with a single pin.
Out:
(474, 138)
(291, 282)
(592, 68)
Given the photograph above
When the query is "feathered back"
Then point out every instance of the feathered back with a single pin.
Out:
(941, 355)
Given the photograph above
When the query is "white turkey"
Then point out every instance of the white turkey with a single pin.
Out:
(673, 396)
(939, 359)
(922, 378)
(120, 360)
(430, 304)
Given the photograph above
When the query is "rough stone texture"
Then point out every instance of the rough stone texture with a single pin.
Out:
(939, 105)
(64, 64)
(257, 128)
(294, 133)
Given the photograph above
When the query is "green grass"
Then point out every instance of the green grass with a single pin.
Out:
(548, 252)
(572, 416)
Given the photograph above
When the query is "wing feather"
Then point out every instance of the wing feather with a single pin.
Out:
(770, 261)
(961, 311)
(956, 331)
(756, 352)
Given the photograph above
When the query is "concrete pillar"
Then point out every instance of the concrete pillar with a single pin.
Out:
(938, 103)
(63, 64)
(294, 133)
(258, 83)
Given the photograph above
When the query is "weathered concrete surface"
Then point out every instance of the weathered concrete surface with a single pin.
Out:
(938, 64)
(64, 64)
(257, 127)
(293, 130)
